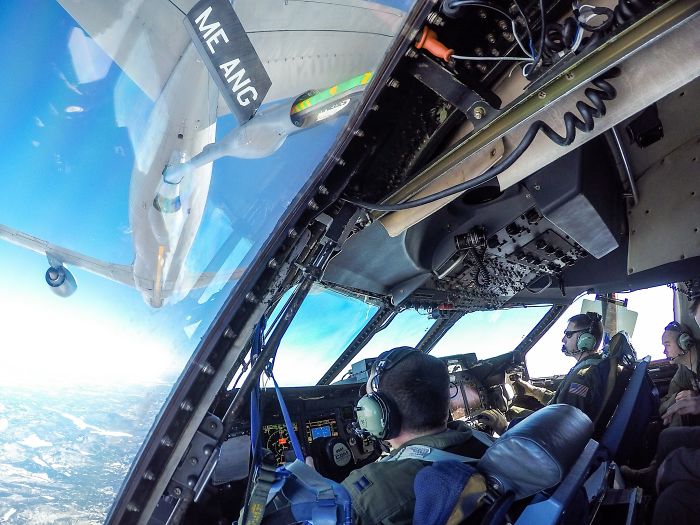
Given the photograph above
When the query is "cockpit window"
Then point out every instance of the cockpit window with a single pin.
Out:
(324, 325)
(134, 203)
(654, 308)
(488, 334)
(406, 329)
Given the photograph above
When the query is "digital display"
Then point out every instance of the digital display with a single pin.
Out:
(276, 439)
(318, 428)
(318, 432)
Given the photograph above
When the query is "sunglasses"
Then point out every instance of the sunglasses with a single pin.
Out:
(570, 333)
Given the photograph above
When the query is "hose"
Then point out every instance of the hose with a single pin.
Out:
(562, 37)
(627, 10)
(604, 91)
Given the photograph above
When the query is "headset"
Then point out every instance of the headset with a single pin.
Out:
(376, 413)
(684, 339)
(585, 340)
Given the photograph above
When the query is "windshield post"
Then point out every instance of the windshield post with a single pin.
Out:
(437, 330)
(379, 321)
(275, 338)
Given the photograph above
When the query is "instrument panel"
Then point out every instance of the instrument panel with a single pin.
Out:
(320, 412)
(327, 412)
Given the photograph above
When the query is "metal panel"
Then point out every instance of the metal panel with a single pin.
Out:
(664, 226)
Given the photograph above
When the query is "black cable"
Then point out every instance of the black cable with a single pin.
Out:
(605, 91)
(455, 4)
(559, 37)
(627, 10)
(482, 276)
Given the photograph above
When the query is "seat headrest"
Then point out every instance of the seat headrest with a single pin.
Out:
(621, 350)
(536, 453)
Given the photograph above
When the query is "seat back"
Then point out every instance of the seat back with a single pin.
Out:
(622, 361)
(533, 456)
(638, 404)
(536, 454)
(549, 510)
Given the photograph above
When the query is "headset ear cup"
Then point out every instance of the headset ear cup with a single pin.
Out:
(585, 342)
(378, 415)
(392, 418)
(685, 341)
(370, 415)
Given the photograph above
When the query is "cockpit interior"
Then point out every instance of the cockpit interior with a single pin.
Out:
(467, 181)
(502, 155)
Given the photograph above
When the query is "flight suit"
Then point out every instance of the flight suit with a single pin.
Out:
(382, 492)
(683, 379)
(583, 387)
(679, 484)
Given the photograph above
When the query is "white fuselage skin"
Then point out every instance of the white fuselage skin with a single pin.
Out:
(150, 44)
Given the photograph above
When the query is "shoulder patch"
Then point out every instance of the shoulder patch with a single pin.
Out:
(362, 484)
(578, 389)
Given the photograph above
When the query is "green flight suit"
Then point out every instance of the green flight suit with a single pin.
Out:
(382, 492)
(683, 379)
(583, 387)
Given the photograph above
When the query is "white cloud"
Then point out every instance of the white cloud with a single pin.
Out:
(52, 341)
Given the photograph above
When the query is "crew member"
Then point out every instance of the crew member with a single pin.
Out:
(678, 478)
(584, 385)
(681, 348)
(407, 403)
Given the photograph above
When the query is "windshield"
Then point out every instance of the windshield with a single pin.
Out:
(488, 334)
(123, 232)
(406, 329)
(324, 326)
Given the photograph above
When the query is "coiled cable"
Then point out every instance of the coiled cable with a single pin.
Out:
(567, 36)
(627, 10)
(482, 276)
(597, 97)
(559, 38)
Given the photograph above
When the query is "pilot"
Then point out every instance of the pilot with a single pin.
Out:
(407, 403)
(681, 348)
(584, 385)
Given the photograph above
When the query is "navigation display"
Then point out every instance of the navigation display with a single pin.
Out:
(276, 439)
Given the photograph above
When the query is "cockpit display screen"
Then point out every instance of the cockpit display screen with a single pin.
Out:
(324, 431)
(321, 428)
(276, 438)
